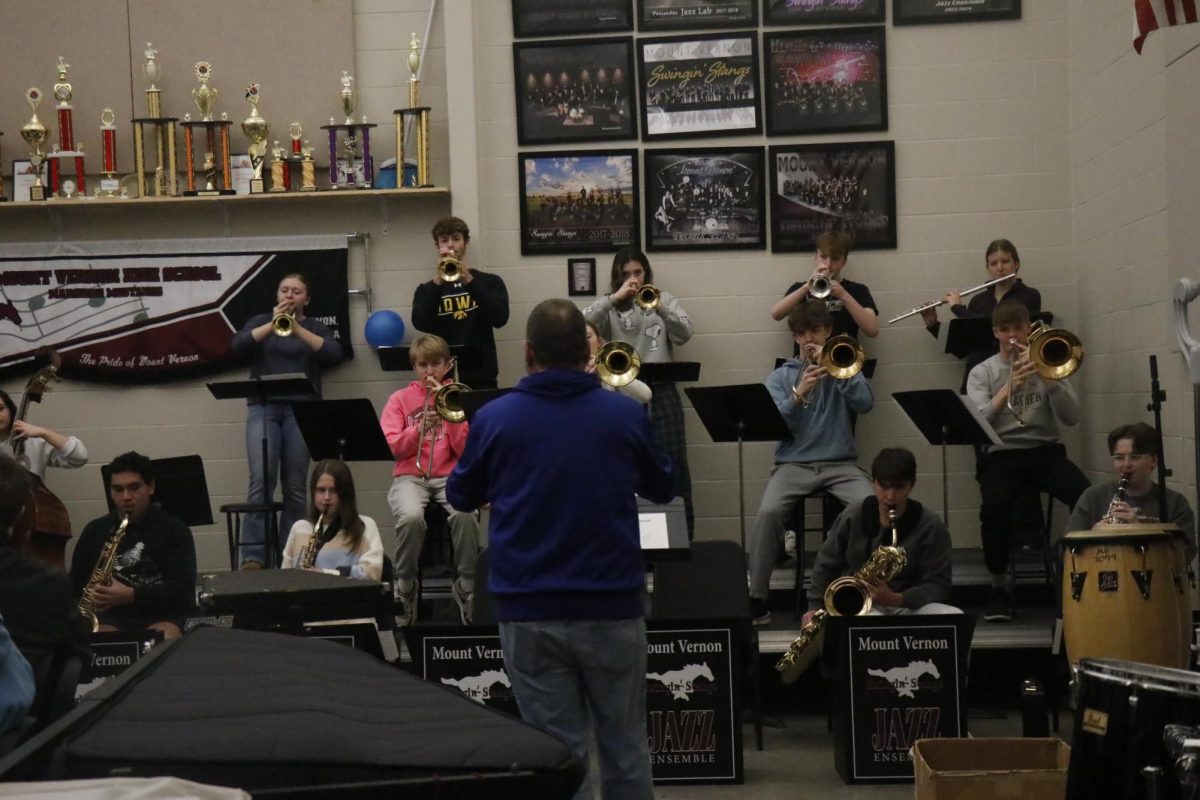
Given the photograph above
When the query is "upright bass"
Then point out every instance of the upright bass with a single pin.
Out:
(45, 527)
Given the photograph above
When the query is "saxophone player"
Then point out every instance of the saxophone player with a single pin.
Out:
(923, 586)
(153, 582)
(349, 543)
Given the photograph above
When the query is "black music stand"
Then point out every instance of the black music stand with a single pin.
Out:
(969, 335)
(473, 401)
(180, 489)
(945, 417)
(263, 389)
(670, 372)
(742, 413)
(347, 430)
(396, 359)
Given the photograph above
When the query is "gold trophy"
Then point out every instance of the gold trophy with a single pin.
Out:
(349, 97)
(216, 155)
(256, 129)
(419, 119)
(34, 133)
(153, 73)
(308, 169)
(204, 96)
(162, 134)
(280, 174)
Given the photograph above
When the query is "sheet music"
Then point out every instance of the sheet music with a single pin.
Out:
(653, 528)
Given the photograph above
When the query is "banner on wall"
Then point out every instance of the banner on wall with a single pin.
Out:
(156, 311)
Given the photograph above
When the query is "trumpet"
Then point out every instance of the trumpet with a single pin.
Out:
(819, 286)
(284, 323)
(1055, 353)
(848, 596)
(646, 297)
(617, 363)
(450, 269)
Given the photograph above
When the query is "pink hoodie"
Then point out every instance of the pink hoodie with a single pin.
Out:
(401, 423)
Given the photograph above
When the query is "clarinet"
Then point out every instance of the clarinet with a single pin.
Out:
(1119, 497)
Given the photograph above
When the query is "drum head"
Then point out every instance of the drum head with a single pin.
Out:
(1108, 532)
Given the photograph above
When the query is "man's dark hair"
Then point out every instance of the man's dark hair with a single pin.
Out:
(1145, 438)
(448, 226)
(809, 317)
(894, 466)
(14, 489)
(557, 335)
(1010, 313)
(132, 462)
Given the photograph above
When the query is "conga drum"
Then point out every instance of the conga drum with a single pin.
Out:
(1126, 594)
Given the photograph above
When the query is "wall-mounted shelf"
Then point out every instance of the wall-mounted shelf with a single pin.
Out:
(266, 197)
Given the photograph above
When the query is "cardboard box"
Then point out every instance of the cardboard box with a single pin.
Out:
(990, 769)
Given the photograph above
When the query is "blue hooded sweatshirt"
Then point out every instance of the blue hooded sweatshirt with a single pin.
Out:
(560, 460)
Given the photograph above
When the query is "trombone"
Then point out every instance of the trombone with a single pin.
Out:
(617, 363)
(646, 297)
(450, 269)
(446, 402)
(1055, 353)
(841, 356)
(284, 323)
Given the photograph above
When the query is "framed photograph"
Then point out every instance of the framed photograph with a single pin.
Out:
(705, 198)
(577, 92)
(578, 202)
(559, 17)
(686, 15)
(827, 80)
(821, 12)
(23, 180)
(700, 85)
(581, 277)
(929, 12)
(850, 186)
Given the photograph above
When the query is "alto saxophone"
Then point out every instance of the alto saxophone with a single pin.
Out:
(847, 596)
(102, 574)
(308, 556)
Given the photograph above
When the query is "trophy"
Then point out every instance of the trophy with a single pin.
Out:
(152, 72)
(109, 183)
(66, 148)
(34, 133)
(3, 199)
(281, 176)
(418, 117)
(296, 132)
(308, 169)
(349, 96)
(204, 96)
(347, 170)
(216, 156)
(163, 133)
(256, 129)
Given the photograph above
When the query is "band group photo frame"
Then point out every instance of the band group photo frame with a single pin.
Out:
(567, 17)
(827, 80)
(822, 12)
(708, 198)
(575, 92)
(579, 201)
(703, 85)
(686, 15)
(934, 12)
(849, 186)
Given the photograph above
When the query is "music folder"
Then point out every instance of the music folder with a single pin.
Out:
(663, 528)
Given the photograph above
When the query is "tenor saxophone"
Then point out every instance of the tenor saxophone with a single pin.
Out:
(308, 556)
(102, 574)
(847, 596)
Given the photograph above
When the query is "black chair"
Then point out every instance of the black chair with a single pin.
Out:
(711, 584)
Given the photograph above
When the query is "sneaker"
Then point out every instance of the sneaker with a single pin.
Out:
(760, 612)
(408, 602)
(463, 599)
(999, 605)
(789, 543)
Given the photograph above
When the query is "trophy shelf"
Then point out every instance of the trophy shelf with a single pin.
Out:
(265, 197)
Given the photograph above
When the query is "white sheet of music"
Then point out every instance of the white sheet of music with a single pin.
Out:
(653, 528)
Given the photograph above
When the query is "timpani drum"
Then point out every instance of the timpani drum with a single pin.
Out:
(1127, 594)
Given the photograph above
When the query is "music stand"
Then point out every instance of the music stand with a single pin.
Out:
(741, 413)
(670, 372)
(264, 388)
(945, 417)
(969, 335)
(180, 489)
(396, 359)
(347, 430)
(473, 401)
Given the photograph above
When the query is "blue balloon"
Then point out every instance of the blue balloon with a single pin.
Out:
(384, 329)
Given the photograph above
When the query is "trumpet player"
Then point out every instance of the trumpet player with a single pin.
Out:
(654, 322)
(466, 309)
(850, 302)
(923, 586)
(154, 575)
(819, 452)
(349, 542)
(1133, 449)
(308, 348)
(1025, 409)
(426, 448)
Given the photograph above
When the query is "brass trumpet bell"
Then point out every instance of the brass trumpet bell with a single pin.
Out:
(284, 324)
(1054, 352)
(842, 357)
(447, 402)
(617, 363)
(450, 269)
(646, 297)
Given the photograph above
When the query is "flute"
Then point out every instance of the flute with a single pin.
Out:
(936, 303)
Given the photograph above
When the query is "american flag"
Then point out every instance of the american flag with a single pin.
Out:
(1150, 15)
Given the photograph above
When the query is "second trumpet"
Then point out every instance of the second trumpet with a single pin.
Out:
(284, 323)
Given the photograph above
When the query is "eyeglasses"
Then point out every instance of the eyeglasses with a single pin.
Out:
(1123, 457)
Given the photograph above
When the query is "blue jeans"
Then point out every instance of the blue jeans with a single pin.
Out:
(286, 450)
(569, 675)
